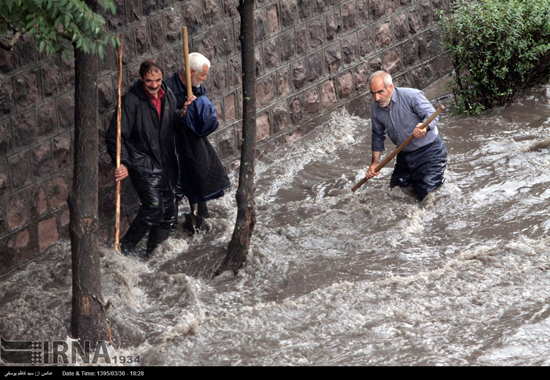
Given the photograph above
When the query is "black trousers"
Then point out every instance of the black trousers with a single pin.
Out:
(158, 202)
(421, 169)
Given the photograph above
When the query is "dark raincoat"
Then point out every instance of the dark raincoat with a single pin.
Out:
(202, 174)
(148, 151)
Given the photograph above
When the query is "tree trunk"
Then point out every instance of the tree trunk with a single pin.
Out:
(88, 321)
(246, 215)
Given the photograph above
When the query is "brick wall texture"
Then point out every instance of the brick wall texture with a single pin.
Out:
(313, 56)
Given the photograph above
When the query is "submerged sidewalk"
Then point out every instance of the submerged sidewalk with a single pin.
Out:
(439, 88)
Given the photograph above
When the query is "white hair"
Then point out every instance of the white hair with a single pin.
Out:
(384, 75)
(197, 61)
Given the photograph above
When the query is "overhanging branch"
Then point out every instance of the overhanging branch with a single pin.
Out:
(8, 45)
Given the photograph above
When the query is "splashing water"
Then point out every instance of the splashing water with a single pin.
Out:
(335, 277)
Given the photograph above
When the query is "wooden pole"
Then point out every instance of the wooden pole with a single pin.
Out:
(399, 149)
(189, 94)
(186, 58)
(118, 142)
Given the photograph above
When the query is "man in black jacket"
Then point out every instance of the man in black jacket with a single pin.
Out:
(202, 175)
(148, 156)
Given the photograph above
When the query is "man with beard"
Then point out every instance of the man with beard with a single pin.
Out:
(148, 156)
(399, 112)
(202, 175)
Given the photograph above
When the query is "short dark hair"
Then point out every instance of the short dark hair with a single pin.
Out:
(149, 66)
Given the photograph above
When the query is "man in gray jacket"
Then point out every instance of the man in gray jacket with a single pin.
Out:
(398, 112)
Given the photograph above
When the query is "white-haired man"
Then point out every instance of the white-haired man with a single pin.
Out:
(202, 174)
(398, 112)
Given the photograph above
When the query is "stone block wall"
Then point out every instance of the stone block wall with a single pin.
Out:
(313, 56)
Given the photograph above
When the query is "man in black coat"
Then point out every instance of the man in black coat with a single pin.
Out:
(202, 175)
(148, 156)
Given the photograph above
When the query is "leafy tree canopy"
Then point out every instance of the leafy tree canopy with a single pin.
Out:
(53, 22)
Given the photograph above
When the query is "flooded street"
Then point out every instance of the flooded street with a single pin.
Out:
(340, 278)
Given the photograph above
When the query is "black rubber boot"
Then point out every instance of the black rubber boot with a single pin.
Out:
(133, 236)
(202, 210)
(193, 224)
(156, 236)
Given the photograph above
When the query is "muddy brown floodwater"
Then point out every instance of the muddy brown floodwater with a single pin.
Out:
(341, 278)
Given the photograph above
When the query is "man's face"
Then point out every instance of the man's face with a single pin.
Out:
(152, 82)
(198, 78)
(381, 94)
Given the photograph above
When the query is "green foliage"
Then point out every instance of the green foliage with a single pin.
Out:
(52, 22)
(499, 48)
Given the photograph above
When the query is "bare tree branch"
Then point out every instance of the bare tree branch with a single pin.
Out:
(8, 45)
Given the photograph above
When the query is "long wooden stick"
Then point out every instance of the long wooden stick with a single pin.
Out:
(118, 149)
(189, 94)
(186, 58)
(399, 149)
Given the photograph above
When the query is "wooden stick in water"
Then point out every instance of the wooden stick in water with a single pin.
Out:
(399, 149)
